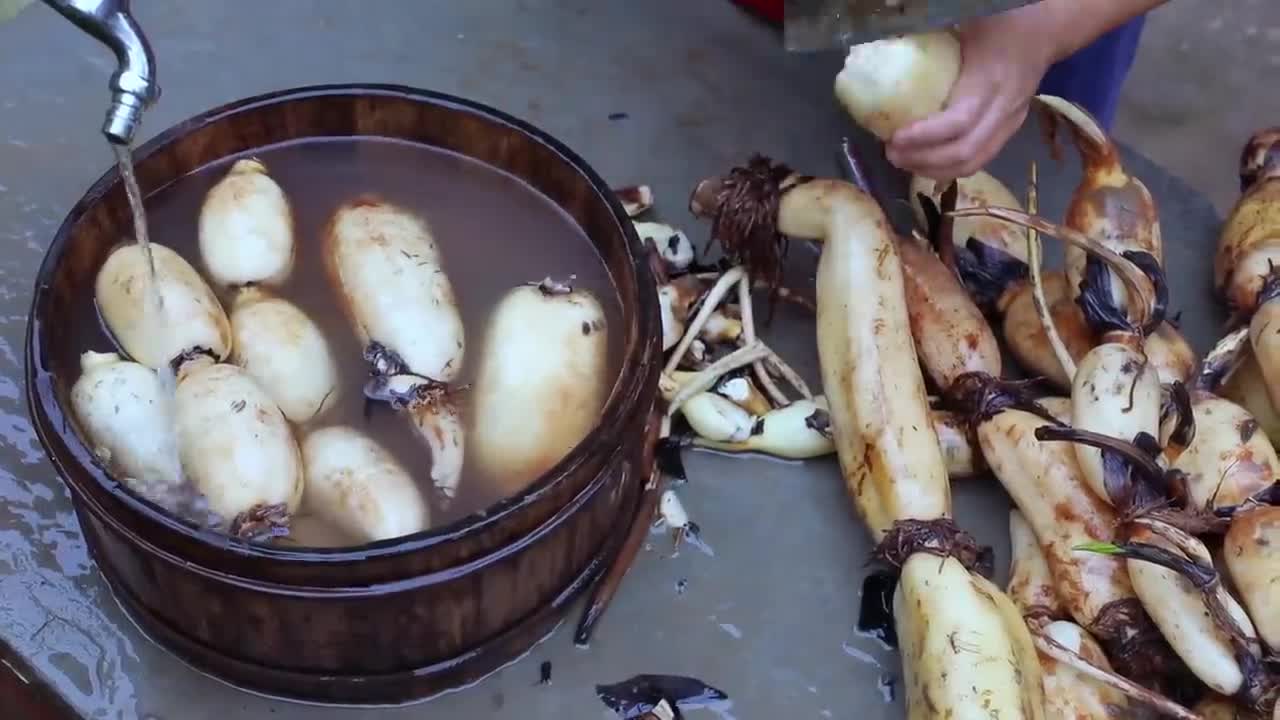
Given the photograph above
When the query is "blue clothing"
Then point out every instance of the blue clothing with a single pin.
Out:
(1094, 75)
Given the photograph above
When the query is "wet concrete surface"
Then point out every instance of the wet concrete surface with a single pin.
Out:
(1204, 80)
(10, 8)
(769, 617)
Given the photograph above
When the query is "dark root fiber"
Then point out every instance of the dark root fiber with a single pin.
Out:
(941, 537)
(745, 220)
(978, 397)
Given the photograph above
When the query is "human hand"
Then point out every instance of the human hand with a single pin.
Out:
(1003, 59)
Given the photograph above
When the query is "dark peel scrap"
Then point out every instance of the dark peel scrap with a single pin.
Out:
(669, 459)
(819, 421)
(1175, 407)
(988, 272)
(190, 354)
(1222, 360)
(875, 610)
(383, 360)
(941, 224)
(932, 217)
(1101, 313)
(1147, 263)
(637, 696)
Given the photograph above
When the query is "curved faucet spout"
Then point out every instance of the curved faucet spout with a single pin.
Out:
(133, 85)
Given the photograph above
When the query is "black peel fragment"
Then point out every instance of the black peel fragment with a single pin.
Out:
(639, 695)
(944, 239)
(383, 360)
(1100, 311)
(1176, 405)
(875, 609)
(1222, 360)
(940, 224)
(819, 421)
(190, 354)
(669, 459)
(1119, 487)
(1147, 263)
(987, 272)
(932, 217)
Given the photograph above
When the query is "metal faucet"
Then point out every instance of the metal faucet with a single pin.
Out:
(133, 85)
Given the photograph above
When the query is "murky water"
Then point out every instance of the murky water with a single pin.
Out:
(494, 232)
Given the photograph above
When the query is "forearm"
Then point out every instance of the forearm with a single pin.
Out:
(1072, 24)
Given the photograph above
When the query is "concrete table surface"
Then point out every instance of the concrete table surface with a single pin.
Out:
(770, 616)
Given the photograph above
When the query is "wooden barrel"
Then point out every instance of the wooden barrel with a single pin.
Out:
(397, 620)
